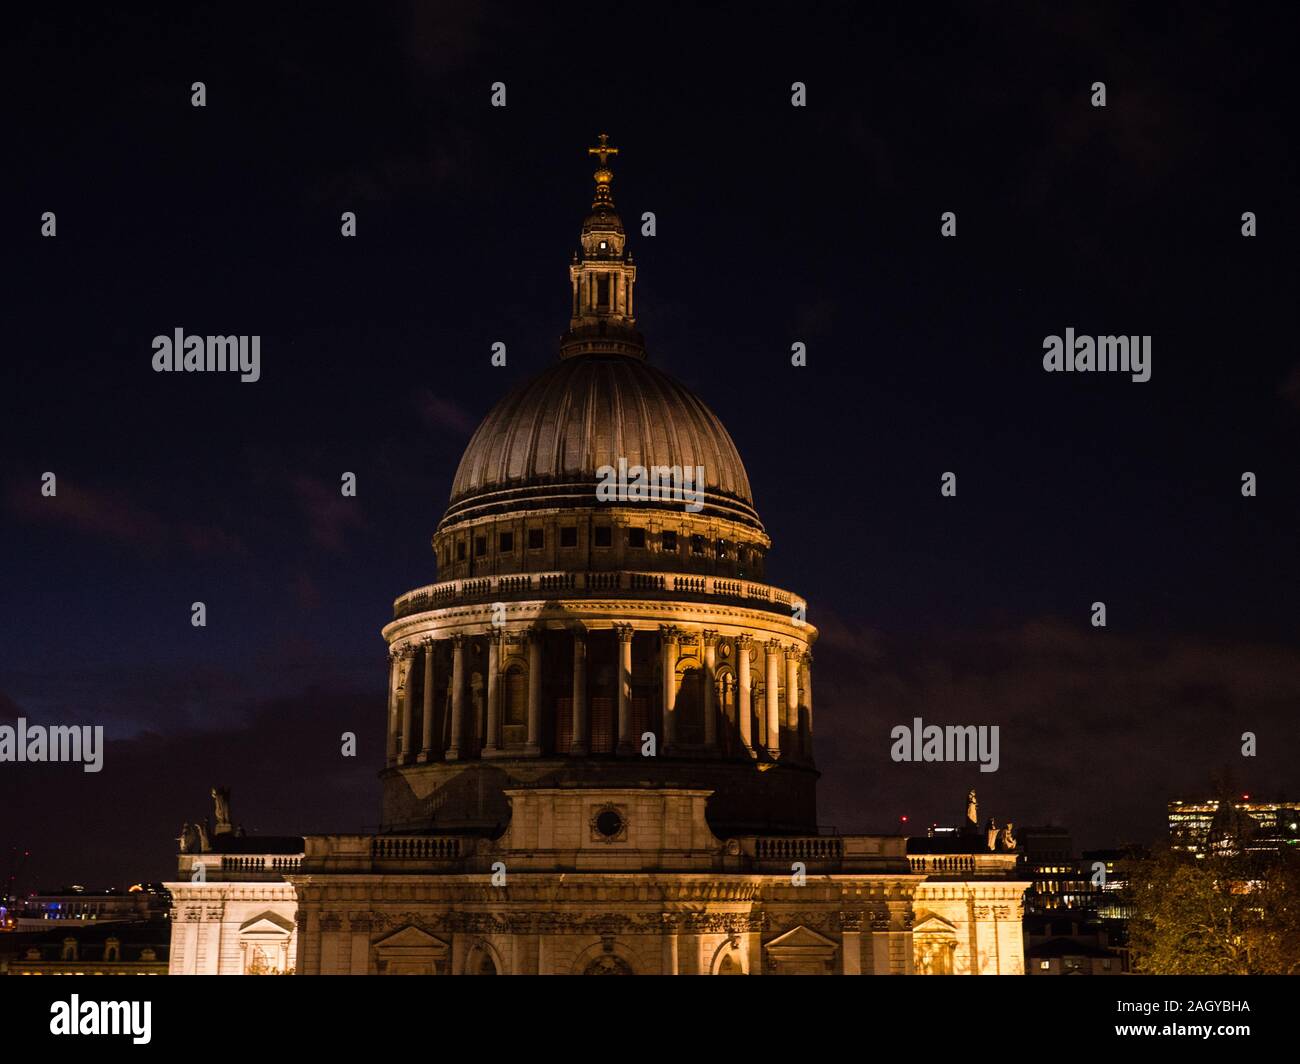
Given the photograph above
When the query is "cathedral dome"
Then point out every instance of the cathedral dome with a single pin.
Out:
(601, 582)
(543, 444)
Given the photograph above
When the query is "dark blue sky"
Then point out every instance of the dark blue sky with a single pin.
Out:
(775, 224)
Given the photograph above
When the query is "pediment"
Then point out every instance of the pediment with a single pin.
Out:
(801, 937)
(411, 938)
(269, 924)
(934, 925)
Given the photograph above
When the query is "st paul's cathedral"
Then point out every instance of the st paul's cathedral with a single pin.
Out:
(599, 727)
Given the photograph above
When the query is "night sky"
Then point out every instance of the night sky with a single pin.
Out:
(775, 224)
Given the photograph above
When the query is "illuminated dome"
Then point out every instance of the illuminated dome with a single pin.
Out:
(605, 641)
(542, 445)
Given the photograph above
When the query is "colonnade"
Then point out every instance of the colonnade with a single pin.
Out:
(783, 729)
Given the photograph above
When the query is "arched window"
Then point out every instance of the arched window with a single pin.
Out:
(725, 681)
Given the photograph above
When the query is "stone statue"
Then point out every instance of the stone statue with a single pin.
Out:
(972, 810)
(188, 838)
(991, 831)
(201, 830)
(221, 799)
(1007, 841)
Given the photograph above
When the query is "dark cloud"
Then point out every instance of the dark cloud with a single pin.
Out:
(444, 415)
(113, 516)
(283, 766)
(330, 514)
(1086, 715)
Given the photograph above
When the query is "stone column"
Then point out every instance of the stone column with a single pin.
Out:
(534, 746)
(668, 637)
(710, 690)
(578, 744)
(851, 939)
(754, 944)
(744, 704)
(426, 751)
(493, 694)
(394, 675)
(880, 943)
(408, 709)
(627, 742)
(773, 698)
(457, 696)
(792, 696)
(805, 705)
(670, 945)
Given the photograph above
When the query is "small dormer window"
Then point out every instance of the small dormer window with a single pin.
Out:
(603, 245)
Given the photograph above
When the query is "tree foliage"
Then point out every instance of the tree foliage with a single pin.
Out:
(1236, 914)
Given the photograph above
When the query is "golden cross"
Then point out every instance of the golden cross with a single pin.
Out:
(604, 151)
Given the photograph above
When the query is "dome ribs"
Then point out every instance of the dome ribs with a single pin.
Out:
(588, 411)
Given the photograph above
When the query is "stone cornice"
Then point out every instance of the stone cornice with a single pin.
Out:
(602, 613)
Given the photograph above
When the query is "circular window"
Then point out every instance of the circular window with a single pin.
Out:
(609, 823)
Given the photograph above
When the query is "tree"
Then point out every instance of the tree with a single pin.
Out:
(1228, 914)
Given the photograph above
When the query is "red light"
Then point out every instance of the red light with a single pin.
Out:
(904, 819)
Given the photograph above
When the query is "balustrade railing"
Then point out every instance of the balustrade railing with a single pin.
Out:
(936, 865)
(260, 863)
(807, 848)
(415, 848)
(628, 581)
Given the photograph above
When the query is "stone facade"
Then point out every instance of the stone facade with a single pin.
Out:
(647, 890)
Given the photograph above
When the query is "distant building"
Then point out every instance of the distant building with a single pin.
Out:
(77, 905)
(1072, 946)
(1059, 880)
(1202, 827)
(89, 948)
(1107, 881)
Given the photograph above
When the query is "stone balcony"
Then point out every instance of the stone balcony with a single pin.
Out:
(239, 868)
(756, 854)
(626, 583)
(963, 866)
